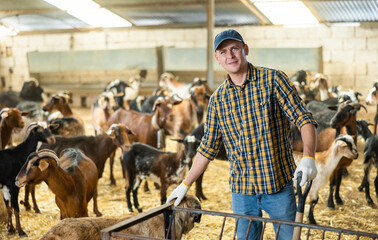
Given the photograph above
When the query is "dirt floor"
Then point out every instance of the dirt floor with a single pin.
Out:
(355, 214)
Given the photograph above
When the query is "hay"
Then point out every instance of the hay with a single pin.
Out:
(354, 214)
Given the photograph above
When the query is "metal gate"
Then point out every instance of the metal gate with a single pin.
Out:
(169, 214)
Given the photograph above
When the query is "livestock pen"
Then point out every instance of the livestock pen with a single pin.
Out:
(355, 214)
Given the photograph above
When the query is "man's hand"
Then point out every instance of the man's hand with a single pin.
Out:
(308, 168)
(178, 193)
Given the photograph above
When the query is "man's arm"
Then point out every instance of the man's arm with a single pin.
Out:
(309, 138)
(307, 165)
(199, 165)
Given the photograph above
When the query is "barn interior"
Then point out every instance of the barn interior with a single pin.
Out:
(49, 42)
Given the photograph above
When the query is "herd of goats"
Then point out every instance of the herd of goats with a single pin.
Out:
(43, 140)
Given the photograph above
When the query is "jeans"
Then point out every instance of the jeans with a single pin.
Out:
(280, 205)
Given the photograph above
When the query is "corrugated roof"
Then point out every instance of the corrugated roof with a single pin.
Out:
(346, 11)
(37, 15)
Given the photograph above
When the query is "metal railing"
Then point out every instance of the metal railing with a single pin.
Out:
(170, 211)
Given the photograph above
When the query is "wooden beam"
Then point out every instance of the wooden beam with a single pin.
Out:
(210, 47)
(263, 20)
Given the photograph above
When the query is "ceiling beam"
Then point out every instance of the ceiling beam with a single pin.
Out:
(165, 4)
(28, 11)
(263, 20)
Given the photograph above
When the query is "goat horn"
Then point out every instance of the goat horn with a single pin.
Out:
(4, 110)
(358, 105)
(48, 153)
(31, 126)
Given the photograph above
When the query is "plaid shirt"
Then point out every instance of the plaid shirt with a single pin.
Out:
(253, 122)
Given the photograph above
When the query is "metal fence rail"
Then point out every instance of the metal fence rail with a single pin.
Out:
(169, 215)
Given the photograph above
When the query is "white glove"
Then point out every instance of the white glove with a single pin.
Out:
(308, 168)
(178, 193)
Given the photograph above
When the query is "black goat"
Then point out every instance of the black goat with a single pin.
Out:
(191, 142)
(370, 158)
(146, 162)
(11, 162)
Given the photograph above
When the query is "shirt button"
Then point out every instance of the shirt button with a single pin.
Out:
(249, 153)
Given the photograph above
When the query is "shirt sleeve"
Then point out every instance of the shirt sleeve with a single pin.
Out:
(290, 102)
(212, 137)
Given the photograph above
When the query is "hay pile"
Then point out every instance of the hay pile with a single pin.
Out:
(354, 214)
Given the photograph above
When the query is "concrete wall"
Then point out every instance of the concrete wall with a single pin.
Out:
(349, 53)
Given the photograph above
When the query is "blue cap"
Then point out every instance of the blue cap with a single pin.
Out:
(225, 35)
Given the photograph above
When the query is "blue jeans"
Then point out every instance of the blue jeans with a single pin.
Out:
(280, 205)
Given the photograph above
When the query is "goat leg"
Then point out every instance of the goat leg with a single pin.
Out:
(16, 211)
(95, 206)
(135, 199)
(367, 167)
(339, 177)
(146, 188)
(331, 204)
(163, 191)
(311, 211)
(10, 227)
(35, 206)
(376, 184)
(199, 192)
(111, 163)
(26, 197)
(128, 200)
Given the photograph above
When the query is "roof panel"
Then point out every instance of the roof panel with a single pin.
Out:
(346, 11)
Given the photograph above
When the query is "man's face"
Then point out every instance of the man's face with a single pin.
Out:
(231, 55)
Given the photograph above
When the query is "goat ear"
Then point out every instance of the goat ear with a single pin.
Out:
(43, 165)
(111, 134)
(129, 131)
(25, 113)
(53, 126)
(178, 140)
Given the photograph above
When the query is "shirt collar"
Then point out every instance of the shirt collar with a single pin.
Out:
(249, 78)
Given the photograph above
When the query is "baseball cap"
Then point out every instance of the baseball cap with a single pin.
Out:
(225, 35)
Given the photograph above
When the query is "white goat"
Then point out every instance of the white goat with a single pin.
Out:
(326, 163)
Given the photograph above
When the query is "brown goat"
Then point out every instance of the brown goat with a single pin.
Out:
(10, 118)
(60, 102)
(145, 125)
(97, 148)
(72, 178)
(187, 115)
(90, 228)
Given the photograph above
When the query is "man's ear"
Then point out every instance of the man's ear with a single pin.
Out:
(216, 56)
(246, 49)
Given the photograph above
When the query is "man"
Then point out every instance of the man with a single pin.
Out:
(251, 112)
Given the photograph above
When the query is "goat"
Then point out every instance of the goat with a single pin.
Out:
(10, 118)
(97, 148)
(326, 163)
(90, 228)
(134, 83)
(192, 142)
(146, 162)
(170, 82)
(119, 89)
(102, 109)
(60, 102)
(11, 161)
(188, 114)
(66, 127)
(72, 178)
(330, 125)
(145, 125)
(372, 99)
(30, 91)
(370, 158)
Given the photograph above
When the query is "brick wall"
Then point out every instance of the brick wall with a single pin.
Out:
(349, 53)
